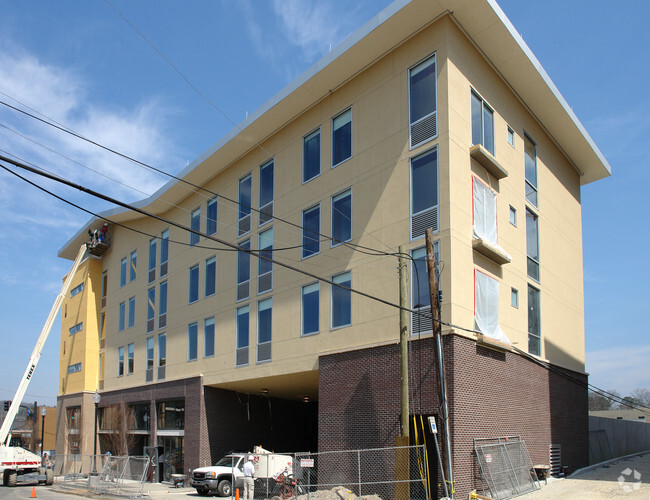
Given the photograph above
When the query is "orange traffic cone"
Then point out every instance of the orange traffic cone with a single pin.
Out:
(237, 494)
(33, 495)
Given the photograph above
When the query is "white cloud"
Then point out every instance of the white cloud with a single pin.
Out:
(622, 368)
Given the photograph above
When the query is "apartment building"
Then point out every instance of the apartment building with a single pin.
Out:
(434, 114)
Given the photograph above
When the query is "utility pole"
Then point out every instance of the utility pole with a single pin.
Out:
(403, 342)
(442, 386)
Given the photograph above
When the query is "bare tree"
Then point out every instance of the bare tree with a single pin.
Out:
(642, 396)
(119, 418)
(598, 401)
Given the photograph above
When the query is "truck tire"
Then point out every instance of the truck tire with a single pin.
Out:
(13, 479)
(203, 493)
(224, 488)
(49, 477)
(5, 478)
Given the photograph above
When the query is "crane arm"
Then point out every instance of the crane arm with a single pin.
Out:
(8, 422)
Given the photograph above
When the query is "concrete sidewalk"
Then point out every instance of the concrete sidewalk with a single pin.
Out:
(625, 478)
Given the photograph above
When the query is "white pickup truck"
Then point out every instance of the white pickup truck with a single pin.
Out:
(227, 472)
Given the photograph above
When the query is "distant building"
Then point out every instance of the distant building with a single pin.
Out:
(435, 114)
(640, 415)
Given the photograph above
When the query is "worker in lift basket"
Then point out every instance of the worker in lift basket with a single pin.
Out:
(249, 482)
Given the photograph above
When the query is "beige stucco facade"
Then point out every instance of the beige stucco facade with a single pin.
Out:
(378, 175)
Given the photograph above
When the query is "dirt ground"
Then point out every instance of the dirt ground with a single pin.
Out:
(627, 478)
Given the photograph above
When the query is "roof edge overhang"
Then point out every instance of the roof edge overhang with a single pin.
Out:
(483, 22)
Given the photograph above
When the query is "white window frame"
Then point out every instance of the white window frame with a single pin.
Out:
(207, 323)
(484, 211)
(315, 239)
(192, 333)
(334, 118)
(428, 214)
(195, 225)
(485, 107)
(131, 313)
(536, 335)
(262, 347)
(529, 258)
(429, 120)
(262, 235)
(531, 184)
(339, 196)
(242, 351)
(196, 270)
(306, 138)
(133, 265)
(306, 289)
(208, 262)
(339, 279)
(265, 214)
(240, 284)
(244, 213)
(209, 221)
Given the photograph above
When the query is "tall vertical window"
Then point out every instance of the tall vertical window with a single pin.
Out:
(342, 137)
(121, 323)
(193, 293)
(485, 212)
(310, 231)
(210, 276)
(162, 355)
(149, 366)
(123, 272)
(195, 225)
(534, 323)
(532, 245)
(241, 355)
(164, 252)
(420, 295)
(211, 227)
(104, 287)
(266, 193)
(131, 312)
(342, 217)
(162, 305)
(530, 167)
(130, 366)
(208, 337)
(310, 308)
(132, 267)
(482, 123)
(424, 193)
(245, 199)
(192, 341)
(120, 361)
(265, 267)
(151, 309)
(486, 306)
(423, 102)
(341, 300)
(243, 270)
(264, 324)
(311, 156)
(152, 259)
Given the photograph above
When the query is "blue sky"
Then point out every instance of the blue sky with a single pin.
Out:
(80, 63)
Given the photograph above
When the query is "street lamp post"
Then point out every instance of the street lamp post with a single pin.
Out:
(43, 413)
(96, 399)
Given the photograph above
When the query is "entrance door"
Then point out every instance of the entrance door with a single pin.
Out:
(420, 433)
(151, 452)
(171, 456)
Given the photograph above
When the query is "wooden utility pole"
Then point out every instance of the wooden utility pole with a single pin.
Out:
(403, 342)
(442, 387)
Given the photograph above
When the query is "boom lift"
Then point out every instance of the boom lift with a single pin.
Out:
(15, 461)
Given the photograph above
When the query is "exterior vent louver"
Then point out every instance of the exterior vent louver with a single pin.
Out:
(242, 291)
(264, 352)
(241, 356)
(421, 324)
(265, 283)
(424, 129)
(424, 220)
(244, 224)
(266, 213)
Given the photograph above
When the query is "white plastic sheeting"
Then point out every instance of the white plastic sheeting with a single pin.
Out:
(485, 212)
(486, 307)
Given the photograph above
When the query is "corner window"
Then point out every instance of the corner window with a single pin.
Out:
(266, 193)
(264, 329)
(195, 225)
(193, 292)
(241, 354)
(210, 276)
(485, 212)
(342, 137)
(341, 300)
(422, 102)
(245, 199)
(424, 193)
(243, 270)
(311, 156)
(132, 267)
(486, 307)
(310, 231)
(208, 338)
(310, 308)
(534, 328)
(211, 218)
(192, 341)
(482, 123)
(530, 167)
(342, 217)
(532, 245)
(265, 267)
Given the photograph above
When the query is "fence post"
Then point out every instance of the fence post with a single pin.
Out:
(359, 468)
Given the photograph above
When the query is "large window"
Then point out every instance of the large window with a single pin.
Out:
(162, 305)
(422, 102)
(341, 300)
(193, 292)
(310, 308)
(152, 259)
(534, 323)
(192, 341)
(162, 355)
(243, 270)
(164, 252)
(195, 225)
(265, 267)
(485, 212)
(120, 361)
(171, 415)
(151, 309)
(424, 193)
(130, 366)
(342, 217)
(482, 123)
(131, 312)
(311, 156)
(208, 337)
(211, 223)
(245, 193)
(210, 276)
(420, 295)
(530, 166)
(486, 307)
(311, 231)
(241, 355)
(532, 245)
(264, 324)
(342, 137)
(123, 272)
(132, 267)
(121, 322)
(266, 193)
(150, 353)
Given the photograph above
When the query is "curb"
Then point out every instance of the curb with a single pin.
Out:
(607, 462)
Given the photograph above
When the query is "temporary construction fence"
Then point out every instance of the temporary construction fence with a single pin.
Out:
(74, 470)
(506, 466)
(398, 473)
